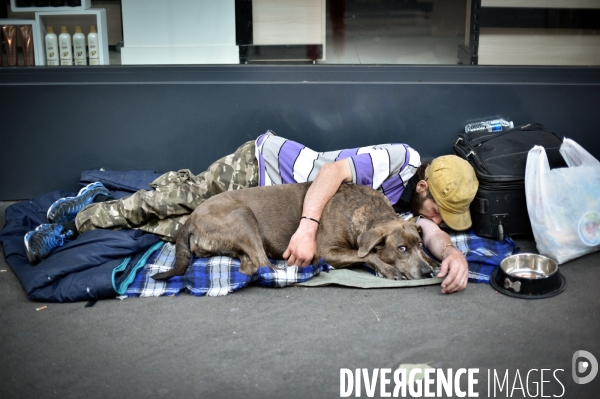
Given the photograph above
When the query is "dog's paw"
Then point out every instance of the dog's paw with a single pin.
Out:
(393, 274)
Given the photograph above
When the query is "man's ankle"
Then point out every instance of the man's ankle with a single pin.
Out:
(70, 226)
(103, 198)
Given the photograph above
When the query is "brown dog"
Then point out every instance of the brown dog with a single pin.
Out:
(358, 226)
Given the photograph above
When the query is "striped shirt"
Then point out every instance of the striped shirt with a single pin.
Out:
(386, 168)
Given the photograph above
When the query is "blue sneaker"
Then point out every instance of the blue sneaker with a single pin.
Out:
(65, 209)
(41, 241)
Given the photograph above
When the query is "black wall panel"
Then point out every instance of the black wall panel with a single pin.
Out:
(57, 122)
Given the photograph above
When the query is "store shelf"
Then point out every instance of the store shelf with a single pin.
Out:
(85, 4)
(38, 50)
(83, 18)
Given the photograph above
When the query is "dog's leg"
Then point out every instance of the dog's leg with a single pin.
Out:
(245, 239)
(431, 262)
(342, 257)
(251, 253)
(182, 254)
(248, 265)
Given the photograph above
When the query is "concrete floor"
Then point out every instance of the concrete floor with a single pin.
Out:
(292, 342)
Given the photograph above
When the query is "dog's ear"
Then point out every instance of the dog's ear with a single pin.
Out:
(367, 240)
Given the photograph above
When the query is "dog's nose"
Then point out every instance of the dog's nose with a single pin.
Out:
(426, 271)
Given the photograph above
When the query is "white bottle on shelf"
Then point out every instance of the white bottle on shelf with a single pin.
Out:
(64, 43)
(94, 49)
(51, 47)
(79, 47)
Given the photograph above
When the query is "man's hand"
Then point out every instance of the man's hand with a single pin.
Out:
(455, 269)
(303, 245)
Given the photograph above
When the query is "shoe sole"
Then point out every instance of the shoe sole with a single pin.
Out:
(32, 261)
(57, 203)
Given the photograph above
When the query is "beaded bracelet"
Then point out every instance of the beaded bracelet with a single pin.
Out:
(444, 249)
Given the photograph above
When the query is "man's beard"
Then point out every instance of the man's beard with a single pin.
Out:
(417, 201)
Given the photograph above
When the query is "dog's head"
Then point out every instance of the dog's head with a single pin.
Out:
(399, 244)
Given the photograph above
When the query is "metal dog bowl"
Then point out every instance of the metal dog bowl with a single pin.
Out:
(528, 276)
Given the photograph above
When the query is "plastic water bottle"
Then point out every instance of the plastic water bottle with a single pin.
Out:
(495, 125)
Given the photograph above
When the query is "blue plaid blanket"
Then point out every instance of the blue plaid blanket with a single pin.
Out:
(484, 255)
(214, 276)
(220, 275)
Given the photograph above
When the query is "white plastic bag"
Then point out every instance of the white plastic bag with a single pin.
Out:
(564, 203)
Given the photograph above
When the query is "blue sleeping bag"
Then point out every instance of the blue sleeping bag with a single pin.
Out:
(82, 269)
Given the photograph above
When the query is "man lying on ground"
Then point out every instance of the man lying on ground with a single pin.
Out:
(438, 191)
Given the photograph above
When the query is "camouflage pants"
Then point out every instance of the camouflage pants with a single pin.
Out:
(163, 211)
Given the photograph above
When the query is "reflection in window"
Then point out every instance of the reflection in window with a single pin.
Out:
(394, 31)
(446, 32)
(350, 31)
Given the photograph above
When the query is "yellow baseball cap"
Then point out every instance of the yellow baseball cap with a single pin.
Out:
(453, 184)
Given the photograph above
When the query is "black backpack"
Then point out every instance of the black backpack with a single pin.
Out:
(499, 160)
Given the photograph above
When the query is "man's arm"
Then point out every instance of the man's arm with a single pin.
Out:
(303, 245)
(455, 268)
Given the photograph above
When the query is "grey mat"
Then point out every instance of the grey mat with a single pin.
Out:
(360, 278)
